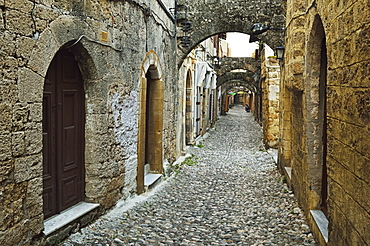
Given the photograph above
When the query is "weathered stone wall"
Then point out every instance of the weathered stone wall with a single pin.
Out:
(30, 35)
(270, 71)
(345, 29)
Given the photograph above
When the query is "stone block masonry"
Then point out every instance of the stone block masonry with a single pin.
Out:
(324, 98)
(270, 104)
(31, 33)
(328, 41)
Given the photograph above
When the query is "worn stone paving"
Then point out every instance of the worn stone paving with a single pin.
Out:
(228, 193)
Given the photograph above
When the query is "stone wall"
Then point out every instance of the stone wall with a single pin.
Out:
(270, 72)
(109, 39)
(344, 26)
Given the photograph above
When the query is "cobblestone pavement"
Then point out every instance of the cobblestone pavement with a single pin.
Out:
(228, 193)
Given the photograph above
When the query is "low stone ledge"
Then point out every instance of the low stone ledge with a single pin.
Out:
(288, 171)
(151, 179)
(58, 221)
(322, 223)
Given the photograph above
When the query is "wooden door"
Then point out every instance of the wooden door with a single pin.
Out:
(63, 135)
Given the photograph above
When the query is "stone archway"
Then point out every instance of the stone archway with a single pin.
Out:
(150, 142)
(233, 63)
(231, 76)
(235, 83)
(315, 88)
(64, 33)
(228, 82)
(198, 20)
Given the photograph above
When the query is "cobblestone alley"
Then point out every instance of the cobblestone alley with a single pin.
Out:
(228, 193)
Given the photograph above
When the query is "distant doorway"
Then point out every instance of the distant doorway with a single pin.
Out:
(189, 110)
(63, 135)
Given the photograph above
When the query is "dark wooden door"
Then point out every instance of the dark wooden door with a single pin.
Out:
(63, 135)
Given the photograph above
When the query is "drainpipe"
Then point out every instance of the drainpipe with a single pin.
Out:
(168, 13)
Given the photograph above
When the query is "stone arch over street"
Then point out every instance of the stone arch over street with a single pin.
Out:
(237, 83)
(198, 20)
(229, 64)
(233, 83)
(231, 76)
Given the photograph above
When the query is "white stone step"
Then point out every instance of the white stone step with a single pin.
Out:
(288, 170)
(322, 223)
(67, 216)
(151, 178)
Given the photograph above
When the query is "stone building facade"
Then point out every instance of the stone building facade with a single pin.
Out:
(79, 81)
(325, 118)
(200, 99)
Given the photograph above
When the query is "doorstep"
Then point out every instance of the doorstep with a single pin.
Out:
(288, 171)
(150, 179)
(321, 222)
(67, 216)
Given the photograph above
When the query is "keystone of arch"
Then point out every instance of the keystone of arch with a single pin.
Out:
(152, 63)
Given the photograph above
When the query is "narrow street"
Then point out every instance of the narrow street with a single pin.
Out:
(228, 193)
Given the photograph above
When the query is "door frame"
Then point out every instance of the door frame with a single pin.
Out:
(151, 103)
(316, 129)
(56, 74)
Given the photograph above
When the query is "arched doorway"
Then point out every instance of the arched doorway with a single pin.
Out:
(63, 135)
(316, 73)
(150, 144)
(189, 109)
